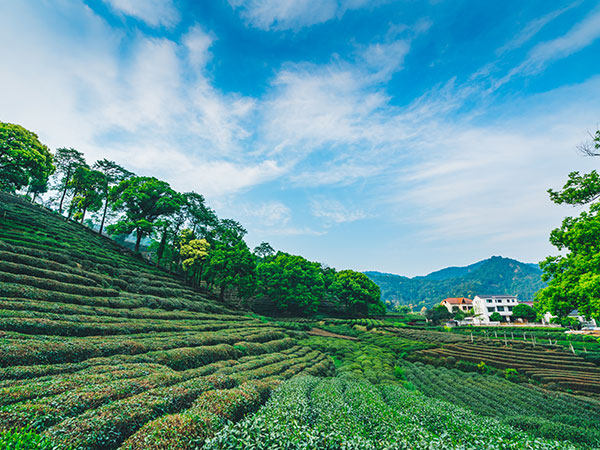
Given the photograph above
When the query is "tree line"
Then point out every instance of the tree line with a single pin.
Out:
(183, 234)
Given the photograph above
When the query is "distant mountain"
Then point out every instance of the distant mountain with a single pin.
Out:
(496, 275)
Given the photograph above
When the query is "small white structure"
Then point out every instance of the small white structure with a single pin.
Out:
(547, 319)
(486, 305)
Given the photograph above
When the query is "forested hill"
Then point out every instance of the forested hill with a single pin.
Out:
(496, 275)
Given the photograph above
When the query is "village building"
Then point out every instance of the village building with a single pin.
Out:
(486, 305)
(456, 304)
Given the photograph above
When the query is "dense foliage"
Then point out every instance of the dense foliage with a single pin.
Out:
(96, 343)
(349, 413)
(24, 160)
(178, 231)
(574, 276)
(358, 294)
(296, 284)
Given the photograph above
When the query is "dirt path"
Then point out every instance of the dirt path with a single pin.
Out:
(323, 333)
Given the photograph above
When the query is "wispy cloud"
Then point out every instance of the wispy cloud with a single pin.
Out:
(273, 213)
(541, 55)
(294, 14)
(533, 28)
(153, 12)
(334, 211)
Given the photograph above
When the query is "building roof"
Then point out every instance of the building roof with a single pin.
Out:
(458, 300)
(496, 296)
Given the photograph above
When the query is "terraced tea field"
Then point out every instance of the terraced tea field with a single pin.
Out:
(347, 413)
(99, 349)
(566, 370)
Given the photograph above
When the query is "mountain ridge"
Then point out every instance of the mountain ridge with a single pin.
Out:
(497, 275)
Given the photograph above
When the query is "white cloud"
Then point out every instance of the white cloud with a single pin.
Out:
(533, 28)
(153, 12)
(198, 43)
(334, 211)
(294, 14)
(269, 214)
(144, 102)
(541, 55)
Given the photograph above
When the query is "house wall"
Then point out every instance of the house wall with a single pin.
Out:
(484, 307)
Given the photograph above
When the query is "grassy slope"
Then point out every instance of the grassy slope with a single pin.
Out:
(99, 347)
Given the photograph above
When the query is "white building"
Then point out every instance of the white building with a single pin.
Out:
(486, 305)
(585, 323)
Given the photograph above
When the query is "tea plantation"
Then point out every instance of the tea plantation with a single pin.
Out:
(99, 348)
(102, 350)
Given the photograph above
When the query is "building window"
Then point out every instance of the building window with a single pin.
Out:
(489, 300)
(500, 308)
(510, 308)
(492, 309)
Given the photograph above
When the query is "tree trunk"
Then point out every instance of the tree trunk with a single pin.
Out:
(62, 198)
(138, 240)
(222, 293)
(103, 214)
(161, 246)
(83, 214)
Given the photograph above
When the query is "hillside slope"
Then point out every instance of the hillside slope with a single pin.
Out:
(496, 275)
(99, 347)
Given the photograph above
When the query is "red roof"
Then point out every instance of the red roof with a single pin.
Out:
(458, 300)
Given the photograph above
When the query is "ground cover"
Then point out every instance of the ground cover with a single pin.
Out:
(350, 413)
(95, 342)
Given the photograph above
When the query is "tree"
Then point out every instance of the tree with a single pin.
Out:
(228, 231)
(437, 314)
(524, 311)
(87, 186)
(143, 200)
(496, 317)
(201, 218)
(23, 158)
(114, 174)
(358, 293)
(295, 284)
(37, 186)
(231, 265)
(574, 276)
(67, 160)
(193, 253)
(591, 148)
(263, 250)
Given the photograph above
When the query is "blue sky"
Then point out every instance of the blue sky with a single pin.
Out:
(400, 136)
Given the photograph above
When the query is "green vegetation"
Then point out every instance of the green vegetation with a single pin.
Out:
(349, 413)
(493, 275)
(96, 342)
(26, 440)
(24, 160)
(574, 277)
(527, 407)
(104, 349)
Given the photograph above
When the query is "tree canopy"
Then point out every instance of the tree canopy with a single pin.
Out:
(524, 311)
(114, 174)
(358, 294)
(23, 158)
(143, 200)
(295, 284)
(574, 275)
(67, 160)
(88, 186)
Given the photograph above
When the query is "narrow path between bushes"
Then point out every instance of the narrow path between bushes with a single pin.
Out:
(323, 333)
